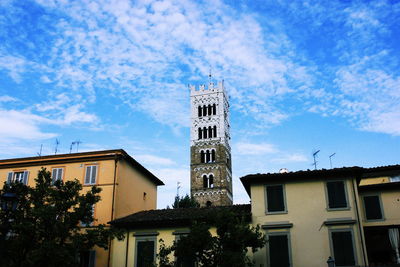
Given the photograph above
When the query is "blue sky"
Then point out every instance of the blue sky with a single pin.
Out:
(302, 76)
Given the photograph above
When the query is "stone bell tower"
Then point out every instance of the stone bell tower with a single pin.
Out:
(210, 152)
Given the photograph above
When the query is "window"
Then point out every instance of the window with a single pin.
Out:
(278, 249)
(275, 198)
(372, 207)
(91, 173)
(214, 109)
(87, 258)
(204, 110)
(215, 131)
(145, 251)
(337, 197)
(57, 174)
(21, 177)
(208, 181)
(199, 111)
(342, 247)
(395, 179)
(200, 133)
(183, 261)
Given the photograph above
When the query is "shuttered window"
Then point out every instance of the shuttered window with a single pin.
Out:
(91, 173)
(145, 253)
(57, 174)
(278, 250)
(343, 249)
(275, 198)
(87, 258)
(372, 207)
(20, 177)
(336, 195)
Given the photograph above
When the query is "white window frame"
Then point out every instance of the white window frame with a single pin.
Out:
(18, 176)
(89, 173)
(57, 174)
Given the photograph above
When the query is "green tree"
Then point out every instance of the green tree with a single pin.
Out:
(185, 202)
(235, 237)
(45, 229)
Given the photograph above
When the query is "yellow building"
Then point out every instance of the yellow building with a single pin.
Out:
(146, 228)
(307, 217)
(126, 185)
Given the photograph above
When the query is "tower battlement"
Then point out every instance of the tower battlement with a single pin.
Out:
(206, 89)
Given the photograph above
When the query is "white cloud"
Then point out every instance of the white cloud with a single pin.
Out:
(290, 158)
(154, 160)
(22, 125)
(254, 149)
(7, 98)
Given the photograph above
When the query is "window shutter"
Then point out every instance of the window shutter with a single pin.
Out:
(87, 176)
(275, 200)
(60, 173)
(54, 175)
(372, 208)
(336, 194)
(92, 257)
(25, 178)
(343, 248)
(9, 177)
(94, 172)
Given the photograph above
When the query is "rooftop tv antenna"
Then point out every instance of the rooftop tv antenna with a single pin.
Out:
(77, 145)
(40, 152)
(178, 185)
(315, 161)
(56, 148)
(330, 158)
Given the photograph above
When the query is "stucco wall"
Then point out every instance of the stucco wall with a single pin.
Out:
(307, 210)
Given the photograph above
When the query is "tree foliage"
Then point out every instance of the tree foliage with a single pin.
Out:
(45, 229)
(235, 237)
(185, 202)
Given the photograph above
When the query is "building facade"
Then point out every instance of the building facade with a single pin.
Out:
(126, 185)
(210, 152)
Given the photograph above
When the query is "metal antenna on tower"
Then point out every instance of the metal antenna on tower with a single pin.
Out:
(314, 156)
(70, 147)
(209, 76)
(330, 158)
(56, 149)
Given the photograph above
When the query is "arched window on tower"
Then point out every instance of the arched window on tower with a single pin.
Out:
(208, 204)
(211, 181)
(213, 155)
(208, 156)
(205, 181)
(209, 110)
(214, 108)
(200, 133)
(205, 132)
(215, 131)
(202, 157)
(210, 132)
(199, 111)
(204, 110)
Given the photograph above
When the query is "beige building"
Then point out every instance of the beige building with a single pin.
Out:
(126, 185)
(347, 214)
(309, 216)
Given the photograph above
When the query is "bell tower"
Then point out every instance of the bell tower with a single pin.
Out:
(210, 152)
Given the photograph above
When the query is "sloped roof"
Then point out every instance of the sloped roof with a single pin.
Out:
(322, 174)
(79, 157)
(177, 217)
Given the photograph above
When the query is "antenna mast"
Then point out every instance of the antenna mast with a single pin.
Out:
(56, 148)
(314, 156)
(40, 153)
(330, 158)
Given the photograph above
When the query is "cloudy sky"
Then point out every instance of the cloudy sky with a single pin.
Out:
(302, 76)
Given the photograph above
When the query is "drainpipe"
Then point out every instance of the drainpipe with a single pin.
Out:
(112, 204)
(360, 229)
(127, 249)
